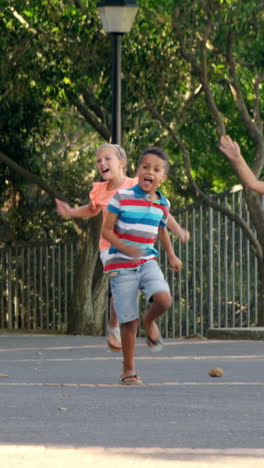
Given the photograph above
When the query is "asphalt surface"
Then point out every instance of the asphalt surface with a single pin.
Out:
(61, 404)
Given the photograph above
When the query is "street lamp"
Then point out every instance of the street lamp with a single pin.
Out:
(117, 17)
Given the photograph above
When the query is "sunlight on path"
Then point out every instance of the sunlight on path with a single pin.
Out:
(46, 457)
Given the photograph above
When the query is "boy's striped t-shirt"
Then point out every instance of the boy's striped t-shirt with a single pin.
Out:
(137, 224)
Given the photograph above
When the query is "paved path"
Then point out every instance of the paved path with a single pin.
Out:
(61, 404)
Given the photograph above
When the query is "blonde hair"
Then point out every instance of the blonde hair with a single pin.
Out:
(120, 152)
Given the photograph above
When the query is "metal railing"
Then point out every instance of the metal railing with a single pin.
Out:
(217, 286)
(36, 283)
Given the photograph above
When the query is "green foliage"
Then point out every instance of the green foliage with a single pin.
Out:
(55, 56)
(45, 54)
(167, 78)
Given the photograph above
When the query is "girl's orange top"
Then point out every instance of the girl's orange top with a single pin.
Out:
(100, 198)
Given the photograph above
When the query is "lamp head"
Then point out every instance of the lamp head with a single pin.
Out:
(117, 16)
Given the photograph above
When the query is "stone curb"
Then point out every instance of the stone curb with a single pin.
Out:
(245, 333)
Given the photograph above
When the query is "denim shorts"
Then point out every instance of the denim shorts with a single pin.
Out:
(126, 284)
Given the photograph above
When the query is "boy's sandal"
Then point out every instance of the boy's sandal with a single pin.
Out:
(130, 380)
(154, 345)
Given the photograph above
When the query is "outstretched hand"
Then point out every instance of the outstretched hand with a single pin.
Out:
(63, 209)
(184, 235)
(230, 148)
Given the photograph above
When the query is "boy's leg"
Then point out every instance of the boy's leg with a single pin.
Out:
(124, 287)
(160, 303)
(128, 336)
(156, 289)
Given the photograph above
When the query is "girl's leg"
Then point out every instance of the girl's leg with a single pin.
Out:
(128, 336)
(113, 320)
(113, 331)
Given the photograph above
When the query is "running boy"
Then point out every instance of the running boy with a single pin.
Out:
(232, 150)
(136, 217)
(111, 162)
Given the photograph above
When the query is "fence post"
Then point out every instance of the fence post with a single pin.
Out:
(210, 268)
(9, 286)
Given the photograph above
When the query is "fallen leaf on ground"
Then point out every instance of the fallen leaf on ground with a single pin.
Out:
(216, 372)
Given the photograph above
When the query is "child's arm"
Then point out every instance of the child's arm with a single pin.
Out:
(113, 239)
(232, 150)
(174, 261)
(183, 234)
(85, 211)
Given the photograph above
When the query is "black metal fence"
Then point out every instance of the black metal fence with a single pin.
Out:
(216, 288)
(36, 283)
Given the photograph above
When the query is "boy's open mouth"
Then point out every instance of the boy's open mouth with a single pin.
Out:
(148, 180)
(104, 171)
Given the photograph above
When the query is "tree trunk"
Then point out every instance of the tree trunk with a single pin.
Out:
(89, 299)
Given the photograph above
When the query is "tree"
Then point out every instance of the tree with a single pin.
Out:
(189, 72)
(224, 48)
(221, 42)
(36, 84)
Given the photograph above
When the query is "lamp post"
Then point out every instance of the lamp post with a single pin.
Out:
(117, 17)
